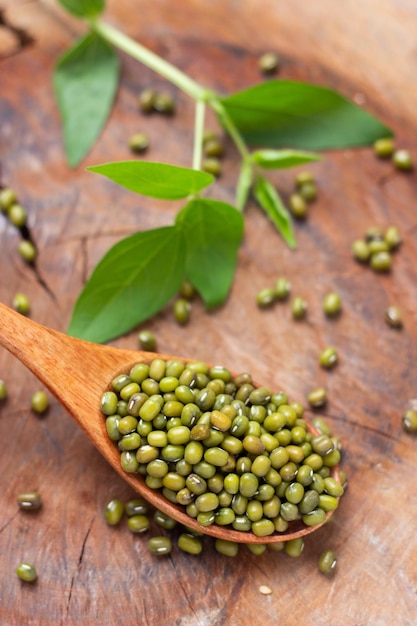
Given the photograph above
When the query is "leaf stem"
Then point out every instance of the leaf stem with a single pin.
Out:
(230, 127)
(189, 86)
(150, 59)
(200, 111)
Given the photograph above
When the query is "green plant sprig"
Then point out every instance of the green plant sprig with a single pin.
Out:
(287, 121)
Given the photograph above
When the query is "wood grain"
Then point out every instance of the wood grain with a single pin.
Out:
(92, 574)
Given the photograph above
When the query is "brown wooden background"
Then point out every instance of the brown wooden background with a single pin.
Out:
(90, 573)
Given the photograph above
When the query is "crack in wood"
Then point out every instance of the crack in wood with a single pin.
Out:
(79, 564)
(9, 521)
(185, 592)
(22, 37)
(27, 235)
(371, 429)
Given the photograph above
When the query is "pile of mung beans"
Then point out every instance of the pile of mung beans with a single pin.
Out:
(229, 452)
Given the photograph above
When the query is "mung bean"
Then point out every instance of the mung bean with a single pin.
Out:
(298, 308)
(26, 572)
(328, 357)
(147, 340)
(40, 402)
(230, 453)
(7, 198)
(189, 543)
(268, 63)
(317, 397)
(113, 512)
(27, 251)
(3, 390)
(29, 501)
(327, 562)
(332, 304)
(403, 160)
(393, 317)
(384, 148)
(139, 143)
(160, 545)
(409, 421)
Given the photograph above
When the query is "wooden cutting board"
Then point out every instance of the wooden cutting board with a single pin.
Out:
(90, 573)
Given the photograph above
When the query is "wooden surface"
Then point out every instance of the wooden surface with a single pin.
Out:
(90, 573)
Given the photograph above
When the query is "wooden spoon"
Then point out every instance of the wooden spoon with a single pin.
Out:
(77, 372)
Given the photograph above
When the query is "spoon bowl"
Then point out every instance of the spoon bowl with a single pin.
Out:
(77, 372)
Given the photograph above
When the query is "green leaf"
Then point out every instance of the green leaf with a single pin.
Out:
(132, 282)
(269, 200)
(83, 8)
(157, 180)
(279, 159)
(85, 82)
(212, 233)
(284, 113)
(244, 184)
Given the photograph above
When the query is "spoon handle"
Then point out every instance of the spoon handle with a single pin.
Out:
(75, 371)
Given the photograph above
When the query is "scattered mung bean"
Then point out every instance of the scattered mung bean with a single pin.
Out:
(27, 251)
(298, 206)
(298, 308)
(147, 340)
(317, 397)
(213, 147)
(160, 545)
(26, 572)
(29, 501)
(294, 547)
(146, 100)
(7, 198)
(384, 148)
(137, 506)
(113, 512)
(187, 290)
(228, 548)
(328, 357)
(268, 63)
(282, 288)
(189, 543)
(392, 237)
(211, 165)
(393, 317)
(360, 250)
(303, 178)
(403, 160)
(327, 562)
(332, 304)
(17, 215)
(40, 402)
(3, 390)
(374, 233)
(256, 548)
(308, 191)
(139, 143)
(265, 297)
(164, 103)
(138, 523)
(381, 261)
(409, 421)
(182, 311)
(21, 303)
